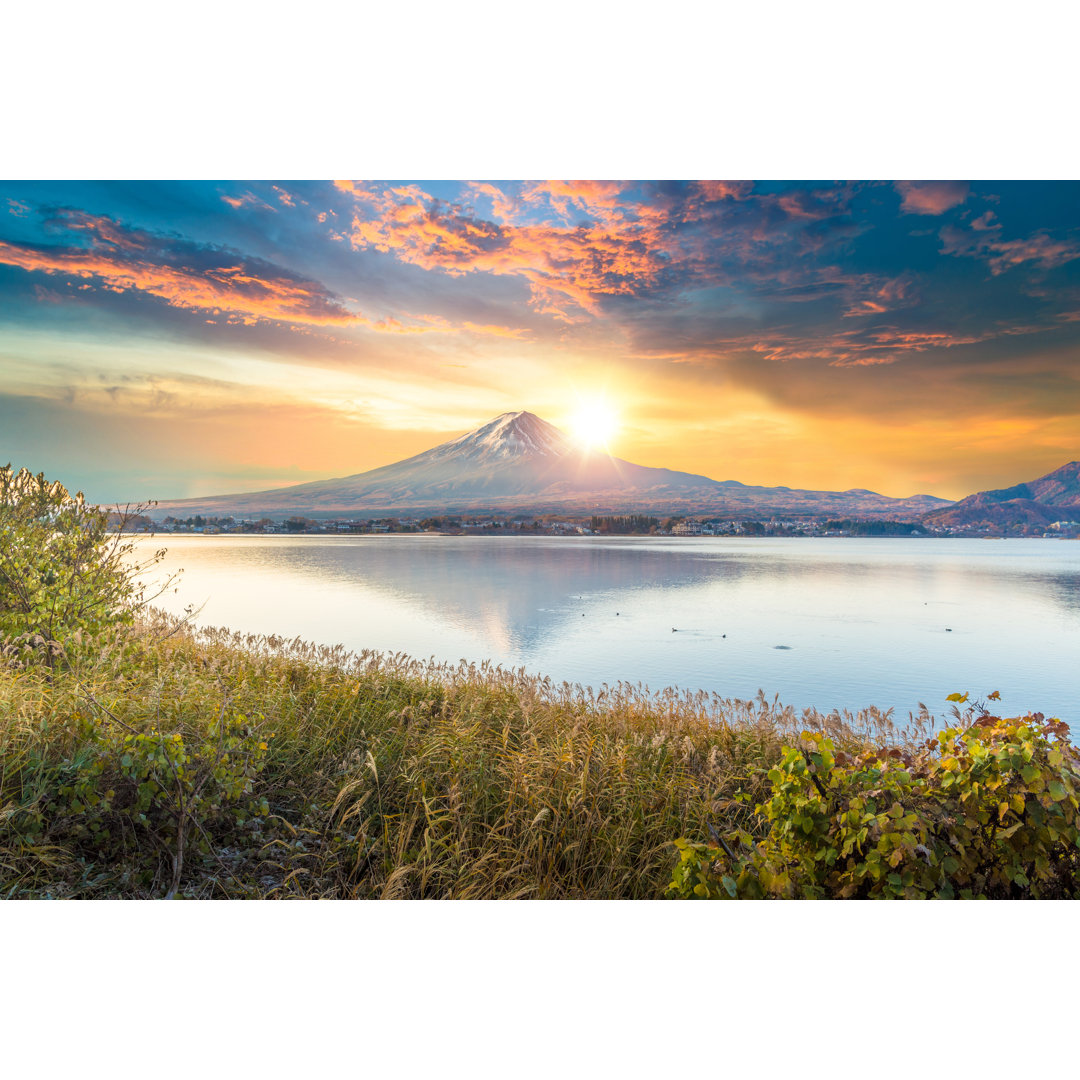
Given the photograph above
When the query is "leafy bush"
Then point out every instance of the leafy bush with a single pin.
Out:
(136, 802)
(63, 574)
(986, 811)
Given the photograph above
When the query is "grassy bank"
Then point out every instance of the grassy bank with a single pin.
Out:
(167, 762)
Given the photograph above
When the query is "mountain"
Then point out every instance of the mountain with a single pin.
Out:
(1053, 497)
(518, 462)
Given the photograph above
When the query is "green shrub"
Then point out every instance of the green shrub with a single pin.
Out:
(135, 804)
(987, 811)
(63, 574)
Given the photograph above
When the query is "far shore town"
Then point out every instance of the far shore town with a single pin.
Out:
(613, 525)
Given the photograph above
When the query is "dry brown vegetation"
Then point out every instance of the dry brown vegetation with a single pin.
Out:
(207, 764)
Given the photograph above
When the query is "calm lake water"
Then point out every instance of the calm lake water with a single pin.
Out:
(825, 622)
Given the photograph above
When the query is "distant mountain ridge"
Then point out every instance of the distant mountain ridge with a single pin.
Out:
(1053, 497)
(518, 462)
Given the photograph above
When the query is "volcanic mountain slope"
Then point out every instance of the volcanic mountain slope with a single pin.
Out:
(1053, 497)
(518, 462)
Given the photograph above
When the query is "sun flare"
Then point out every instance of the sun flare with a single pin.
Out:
(594, 424)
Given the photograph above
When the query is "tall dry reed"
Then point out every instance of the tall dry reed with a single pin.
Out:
(383, 776)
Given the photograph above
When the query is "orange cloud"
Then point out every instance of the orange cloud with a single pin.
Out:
(248, 199)
(866, 307)
(217, 289)
(931, 196)
(860, 347)
(894, 293)
(715, 190)
(1039, 249)
(598, 198)
(887, 345)
(813, 205)
(631, 240)
(208, 280)
(662, 238)
(504, 207)
(575, 264)
(983, 239)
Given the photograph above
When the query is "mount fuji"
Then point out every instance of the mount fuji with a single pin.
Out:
(519, 462)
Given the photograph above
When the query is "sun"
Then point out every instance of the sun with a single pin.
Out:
(594, 424)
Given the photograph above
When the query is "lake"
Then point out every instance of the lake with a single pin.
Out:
(832, 623)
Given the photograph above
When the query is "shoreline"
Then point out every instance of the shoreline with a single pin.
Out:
(526, 535)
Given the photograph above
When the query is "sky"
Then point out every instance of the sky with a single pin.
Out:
(174, 339)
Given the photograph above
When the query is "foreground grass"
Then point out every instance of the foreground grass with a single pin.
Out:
(213, 765)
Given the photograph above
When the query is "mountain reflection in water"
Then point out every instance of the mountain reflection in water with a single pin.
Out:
(864, 622)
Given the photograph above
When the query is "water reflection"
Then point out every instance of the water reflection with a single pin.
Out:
(883, 622)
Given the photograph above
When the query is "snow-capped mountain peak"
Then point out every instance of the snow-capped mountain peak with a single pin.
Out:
(511, 436)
